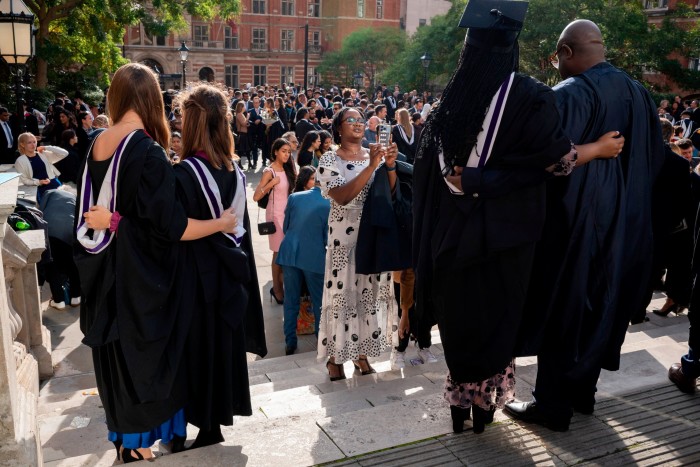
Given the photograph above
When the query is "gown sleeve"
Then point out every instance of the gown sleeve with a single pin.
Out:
(156, 202)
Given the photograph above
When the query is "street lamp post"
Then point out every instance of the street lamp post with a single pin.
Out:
(358, 79)
(425, 61)
(184, 52)
(17, 45)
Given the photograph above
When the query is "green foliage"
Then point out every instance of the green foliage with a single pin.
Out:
(367, 51)
(630, 43)
(85, 36)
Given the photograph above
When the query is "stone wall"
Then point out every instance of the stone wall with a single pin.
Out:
(25, 344)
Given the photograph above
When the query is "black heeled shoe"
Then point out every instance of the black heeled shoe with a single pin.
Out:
(338, 367)
(207, 438)
(127, 456)
(178, 444)
(117, 446)
(481, 418)
(273, 296)
(459, 416)
(675, 308)
(368, 370)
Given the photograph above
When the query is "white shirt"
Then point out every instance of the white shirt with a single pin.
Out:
(8, 134)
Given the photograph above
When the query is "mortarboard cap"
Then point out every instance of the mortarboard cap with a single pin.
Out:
(493, 24)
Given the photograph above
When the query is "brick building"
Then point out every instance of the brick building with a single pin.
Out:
(656, 11)
(264, 45)
(416, 13)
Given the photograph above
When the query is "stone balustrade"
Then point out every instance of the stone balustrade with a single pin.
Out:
(25, 343)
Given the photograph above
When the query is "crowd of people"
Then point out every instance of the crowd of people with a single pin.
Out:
(519, 218)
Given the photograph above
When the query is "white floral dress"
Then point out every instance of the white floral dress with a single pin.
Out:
(358, 311)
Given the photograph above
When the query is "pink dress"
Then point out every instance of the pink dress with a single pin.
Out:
(275, 209)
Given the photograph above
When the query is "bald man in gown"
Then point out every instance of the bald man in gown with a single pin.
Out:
(595, 255)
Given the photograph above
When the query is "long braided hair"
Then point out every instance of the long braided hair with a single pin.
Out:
(456, 122)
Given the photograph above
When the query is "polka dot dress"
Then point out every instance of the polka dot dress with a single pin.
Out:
(357, 309)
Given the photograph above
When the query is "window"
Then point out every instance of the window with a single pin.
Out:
(380, 9)
(201, 34)
(422, 22)
(360, 8)
(259, 7)
(314, 8)
(230, 38)
(259, 39)
(314, 77)
(150, 39)
(650, 4)
(315, 38)
(259, 75)
(288, 7)
(287, 42)
(231, 75)
(135, 36)
(694, 64)
(286, 75)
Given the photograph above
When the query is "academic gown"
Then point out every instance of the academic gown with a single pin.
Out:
(473, 253)
(226, 306)
(594, 260)
(128, 311)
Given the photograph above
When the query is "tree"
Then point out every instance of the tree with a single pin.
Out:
(88, 32)
(630, 43)
(367, 51)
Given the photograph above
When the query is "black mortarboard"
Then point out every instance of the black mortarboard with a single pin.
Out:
(493, 24)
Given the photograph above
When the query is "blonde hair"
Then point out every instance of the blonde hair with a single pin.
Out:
(135, 87)
(101, 121)
(205, 125)
(403, 118)
(22, 140)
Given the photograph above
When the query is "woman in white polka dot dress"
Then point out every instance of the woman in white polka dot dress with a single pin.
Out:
(358, 311)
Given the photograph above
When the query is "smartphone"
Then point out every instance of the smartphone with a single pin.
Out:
(384, 134)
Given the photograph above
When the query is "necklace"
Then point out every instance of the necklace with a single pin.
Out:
(354, 153)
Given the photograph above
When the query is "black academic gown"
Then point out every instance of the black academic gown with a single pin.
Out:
(128, 312)
(594, 260)
(473, 253)
(226, 306)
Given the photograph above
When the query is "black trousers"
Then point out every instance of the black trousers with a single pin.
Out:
(62, 268)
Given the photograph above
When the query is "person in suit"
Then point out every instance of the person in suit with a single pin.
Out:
(303, 125)
(8, 143)
(302, 252)
(256, 131)
(390, 103)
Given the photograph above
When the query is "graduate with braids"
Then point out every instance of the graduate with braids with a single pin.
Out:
(486, 152)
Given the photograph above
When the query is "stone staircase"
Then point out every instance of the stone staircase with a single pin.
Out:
(301, 418)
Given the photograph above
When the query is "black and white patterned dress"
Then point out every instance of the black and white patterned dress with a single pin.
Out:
(357, 309)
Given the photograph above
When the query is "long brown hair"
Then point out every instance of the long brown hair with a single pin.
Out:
(205, 125)
(404, 119)
(135, 87)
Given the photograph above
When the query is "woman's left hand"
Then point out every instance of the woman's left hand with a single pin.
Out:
(392, 152)
(98, 218)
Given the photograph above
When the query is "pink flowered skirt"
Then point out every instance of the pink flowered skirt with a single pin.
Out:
(494, 392)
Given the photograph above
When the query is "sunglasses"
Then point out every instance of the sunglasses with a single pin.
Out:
(353, 120)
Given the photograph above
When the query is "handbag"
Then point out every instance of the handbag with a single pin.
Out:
(306, 320)
(267, 228)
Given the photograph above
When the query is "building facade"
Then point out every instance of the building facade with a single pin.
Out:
(265, 45)
(656, 11)
(416, 13)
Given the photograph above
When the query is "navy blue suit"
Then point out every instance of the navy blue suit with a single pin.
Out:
(302, 254)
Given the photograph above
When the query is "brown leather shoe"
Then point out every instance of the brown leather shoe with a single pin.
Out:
(685, 384)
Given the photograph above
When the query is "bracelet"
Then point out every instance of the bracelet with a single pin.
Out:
(390, 169)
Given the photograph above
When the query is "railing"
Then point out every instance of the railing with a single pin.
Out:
(315, 48)
(208, 44)
(259, 47)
